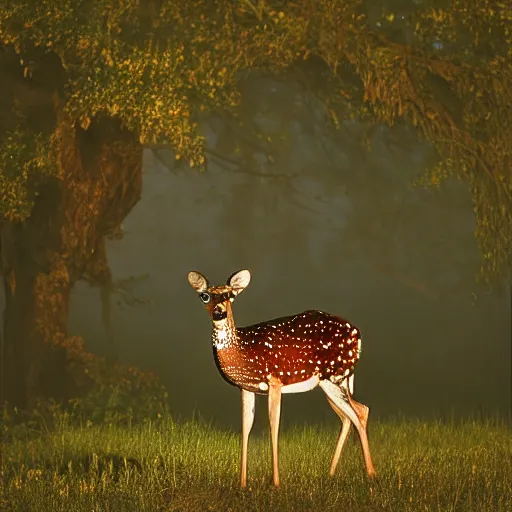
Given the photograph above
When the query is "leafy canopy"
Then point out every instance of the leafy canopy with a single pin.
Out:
(154, 64)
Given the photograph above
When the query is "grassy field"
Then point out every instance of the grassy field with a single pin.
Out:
(167, 466)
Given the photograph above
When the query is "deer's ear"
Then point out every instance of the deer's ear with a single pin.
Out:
(197, 281)
(239, 280)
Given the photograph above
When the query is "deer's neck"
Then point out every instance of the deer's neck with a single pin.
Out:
(224, 333)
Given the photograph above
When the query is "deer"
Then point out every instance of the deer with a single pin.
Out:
(291, 354)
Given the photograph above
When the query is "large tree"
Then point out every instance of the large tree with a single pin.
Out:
(86, 85)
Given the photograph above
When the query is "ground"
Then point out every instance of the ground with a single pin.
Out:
(170, 466)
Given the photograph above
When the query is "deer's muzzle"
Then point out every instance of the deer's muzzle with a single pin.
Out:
(219, 313)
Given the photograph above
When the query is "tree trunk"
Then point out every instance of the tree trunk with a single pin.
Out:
(37, 289)
(97, 183)
(42, 259)
(32, 367)
(16, 361)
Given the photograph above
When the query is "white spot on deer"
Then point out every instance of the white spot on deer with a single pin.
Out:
(263, 386)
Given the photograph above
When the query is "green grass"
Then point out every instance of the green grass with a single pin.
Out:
(192, 467)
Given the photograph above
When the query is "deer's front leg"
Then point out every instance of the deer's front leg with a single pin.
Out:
(248, 399)
(274, 414)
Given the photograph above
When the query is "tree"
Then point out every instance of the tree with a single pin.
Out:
(86, 85)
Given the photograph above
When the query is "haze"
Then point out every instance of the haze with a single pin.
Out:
(326, 225)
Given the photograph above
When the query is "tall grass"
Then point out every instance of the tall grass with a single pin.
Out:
(169, 466)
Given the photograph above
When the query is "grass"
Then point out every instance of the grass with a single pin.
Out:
(168, 466)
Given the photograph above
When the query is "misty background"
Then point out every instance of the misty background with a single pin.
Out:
(328, 221)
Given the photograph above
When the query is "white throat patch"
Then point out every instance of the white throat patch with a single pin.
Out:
(222, 335)
(220, 338)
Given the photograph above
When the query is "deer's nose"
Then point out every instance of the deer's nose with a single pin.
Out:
(219, 312)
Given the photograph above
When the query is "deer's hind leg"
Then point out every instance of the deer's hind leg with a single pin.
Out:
(349, 410)
(342, 438)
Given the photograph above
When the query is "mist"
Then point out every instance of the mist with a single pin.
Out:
(328, 223)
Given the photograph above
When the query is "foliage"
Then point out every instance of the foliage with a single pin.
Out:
(169, 466)
(460, 100)
(154, 65)
(122, 395)
(24, 160)
(117, 395)
(191, 54)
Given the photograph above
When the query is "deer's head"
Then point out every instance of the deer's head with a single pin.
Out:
(218, 299)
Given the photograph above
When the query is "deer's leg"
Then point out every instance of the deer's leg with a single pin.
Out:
(350, 384)
(248, 399)
(356, 412)
(342, 438)
(345, 427)
(274, 414)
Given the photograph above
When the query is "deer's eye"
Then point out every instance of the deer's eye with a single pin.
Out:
(205, 297)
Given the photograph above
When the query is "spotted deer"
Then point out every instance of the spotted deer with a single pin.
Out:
(291, 354)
